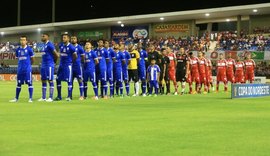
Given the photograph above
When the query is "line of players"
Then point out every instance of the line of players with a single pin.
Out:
(115, 65)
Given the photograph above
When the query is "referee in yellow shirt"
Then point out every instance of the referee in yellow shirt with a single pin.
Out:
(133, 67)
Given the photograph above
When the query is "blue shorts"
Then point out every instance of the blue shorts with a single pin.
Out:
(89, 76)
(24, 77)
(118, 75)
(64, 73)
(154, 83)
(77, 72)
(110, 74)
(47, 73)
(125, 75)
(142, 74)
(101, 75)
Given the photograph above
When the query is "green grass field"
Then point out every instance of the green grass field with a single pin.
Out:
(196, 125)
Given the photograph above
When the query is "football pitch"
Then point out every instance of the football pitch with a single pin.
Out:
(188, 125)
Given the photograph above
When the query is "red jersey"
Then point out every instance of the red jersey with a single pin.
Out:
(202, 65)
(239, 72)
(194, 65)
(209, 66)
(172, 59)
(221, 66)
(250, 66)
(230, 65)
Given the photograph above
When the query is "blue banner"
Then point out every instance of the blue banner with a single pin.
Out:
(129, 32)
(250, 90)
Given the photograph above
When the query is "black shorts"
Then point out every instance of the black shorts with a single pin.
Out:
(133, 74)
(165, 75)
(181, 75)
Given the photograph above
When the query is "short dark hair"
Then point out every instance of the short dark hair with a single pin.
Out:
(23, 36)
(47, 34)
(66, 35)
(162, 49)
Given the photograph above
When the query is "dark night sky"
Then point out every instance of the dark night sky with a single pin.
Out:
(40, 11)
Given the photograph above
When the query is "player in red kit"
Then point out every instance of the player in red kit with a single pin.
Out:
(239, 71)
(172, 69)
(194, 72)
(249, 69)
(202, 70)
(209, 77)
(230, 68)
(221, 72)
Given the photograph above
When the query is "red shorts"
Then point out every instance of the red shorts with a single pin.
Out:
(222, 77)
(172, 75)
(239, 78)
(230, 77)
(195, 77)
(203, 78)
(249, 76)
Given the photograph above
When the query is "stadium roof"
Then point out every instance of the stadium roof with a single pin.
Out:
(215, 15)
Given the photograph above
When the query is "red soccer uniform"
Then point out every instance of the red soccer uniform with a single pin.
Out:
(209, 71)
(194, 69)
(171, 67)
(230, 70)
(239, 72)
(221, 70)
(202, 69)
(250, 66)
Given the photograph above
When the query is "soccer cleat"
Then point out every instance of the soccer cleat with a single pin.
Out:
(68, 99)
(182, 93)
(95, 98)
(49, 100)
(81, 98)
(155, 95)
(135, 95)
(121, 96)
(13, 100)
(144, 95)
(150, 95)
(41, 99)
(105, 97)
(175, 93)
(194, 92)
(30, 100)
(57, 99)
(205, 92)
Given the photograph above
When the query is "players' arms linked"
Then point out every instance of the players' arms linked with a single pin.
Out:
(55, 56)
(96, 61)
(82, 58)
(74, 56)
(32, 60)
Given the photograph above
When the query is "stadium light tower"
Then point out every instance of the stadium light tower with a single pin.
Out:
(19, 13)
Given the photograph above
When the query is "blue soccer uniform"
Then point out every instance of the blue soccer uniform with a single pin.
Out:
(142, 70)
(111, 56)
(127, 57)
(101, 69)
(64, 72)
(47, 68)
(89, 71)
(77, 68)
(153, 77)
(117, 71)
(24, 71)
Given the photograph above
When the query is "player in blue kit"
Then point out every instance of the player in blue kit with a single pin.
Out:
(68, 55)
(76, 66)
(101, 68)
(111, 56)
(25, 57)
(142, 69)
(49, 58)
(89, 69)
(153, 72)
(126, 55)
(117, 70)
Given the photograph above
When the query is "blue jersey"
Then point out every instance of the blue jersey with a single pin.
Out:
(153, 71)
(102, 55)
(111, 56)
(90, 57)
(66, 52)
(47, 54)
(127, 58)
(143, 56)
(79, 50)
(24, 59)
(119, 57)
